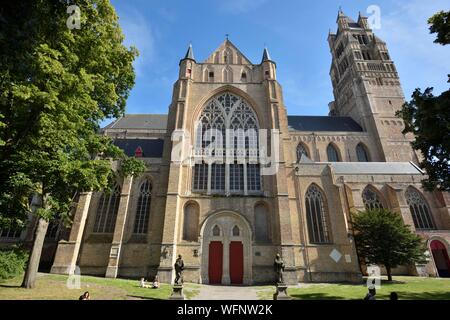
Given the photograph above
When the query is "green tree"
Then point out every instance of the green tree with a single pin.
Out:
(428, 118)
(382, 238)
(56, 85)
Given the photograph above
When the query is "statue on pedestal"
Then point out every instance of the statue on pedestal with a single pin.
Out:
(279, 268)
(179, 267)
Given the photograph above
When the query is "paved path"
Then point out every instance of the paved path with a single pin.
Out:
(209, 292)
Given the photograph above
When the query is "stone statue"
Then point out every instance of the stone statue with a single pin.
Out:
(279, 268)
(179, 267)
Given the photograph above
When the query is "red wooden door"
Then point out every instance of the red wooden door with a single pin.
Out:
(236, 262)
(215, 262)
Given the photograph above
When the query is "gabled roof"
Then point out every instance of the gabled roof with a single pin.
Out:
(227, 44)
(323, 123)
(140, 121)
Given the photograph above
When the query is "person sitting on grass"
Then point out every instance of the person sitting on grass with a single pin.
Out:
(85, 296)
(371, 294)
(155, 284)
(142, 283)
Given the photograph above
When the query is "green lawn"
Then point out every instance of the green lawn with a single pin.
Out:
(407, 288)
(53, 287)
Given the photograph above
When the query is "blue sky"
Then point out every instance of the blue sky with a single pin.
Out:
(295, 33)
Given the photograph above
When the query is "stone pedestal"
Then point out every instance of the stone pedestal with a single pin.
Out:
(177, 293)
(281, 293)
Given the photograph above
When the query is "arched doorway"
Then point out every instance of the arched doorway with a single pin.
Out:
(440, 257)
(226, 250)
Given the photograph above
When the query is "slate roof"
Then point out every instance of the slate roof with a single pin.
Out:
(298, 123)
(151, 148)
(140, 121)
(370, 168)
(323, 123)
(189, 53)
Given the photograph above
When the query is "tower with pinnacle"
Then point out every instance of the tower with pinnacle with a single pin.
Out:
(366, 86)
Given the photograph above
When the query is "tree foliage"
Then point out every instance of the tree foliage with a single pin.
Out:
(428, 118)
(12, 262)
(440, 24)
(56, 86)
(382, 238)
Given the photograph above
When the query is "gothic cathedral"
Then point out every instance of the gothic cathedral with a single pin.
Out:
(272, 183)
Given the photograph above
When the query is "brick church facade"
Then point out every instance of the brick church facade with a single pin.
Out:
(228, 219)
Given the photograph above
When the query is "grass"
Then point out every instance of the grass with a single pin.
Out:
(54, 287)
(407, 288)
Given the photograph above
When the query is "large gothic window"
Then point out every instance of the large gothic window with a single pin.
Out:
(301, 151)
(226, 147)
(143, 208)
(361, 153)
(419, 209)
(332, 153)
(108, 205)
(371, 199)
(316, 215)
(262, 233)
(191, 220)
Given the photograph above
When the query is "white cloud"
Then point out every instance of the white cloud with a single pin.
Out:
(240, 6)
(420, 62)
(138, 33)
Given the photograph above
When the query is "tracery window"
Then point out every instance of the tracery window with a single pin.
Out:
(371, 199)
(108, 205)
(316, 215)
(361, 153)
(301, 150)
(332, 153)
(143, 208)
(226, 147)
(419, 209)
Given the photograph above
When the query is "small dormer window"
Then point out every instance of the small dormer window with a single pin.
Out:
(138, 152)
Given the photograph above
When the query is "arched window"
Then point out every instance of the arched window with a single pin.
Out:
(332, 153)
(317, 215)
(236, 231)
(419, 209)
(371, 199)
(361, 153)
(105, 220)
(262, 233)
(143, 208)
(216, 231)
(301, 150)
(226, 147)
(190, 225)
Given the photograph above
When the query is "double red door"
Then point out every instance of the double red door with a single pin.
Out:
(236, 260)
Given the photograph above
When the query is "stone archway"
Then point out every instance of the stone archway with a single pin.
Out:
(226, 249)
(440, 258)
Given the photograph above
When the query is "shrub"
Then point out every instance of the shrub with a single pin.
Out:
(12, 262)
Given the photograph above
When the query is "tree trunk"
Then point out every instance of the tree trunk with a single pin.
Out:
(389, 274)
(29, 280)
